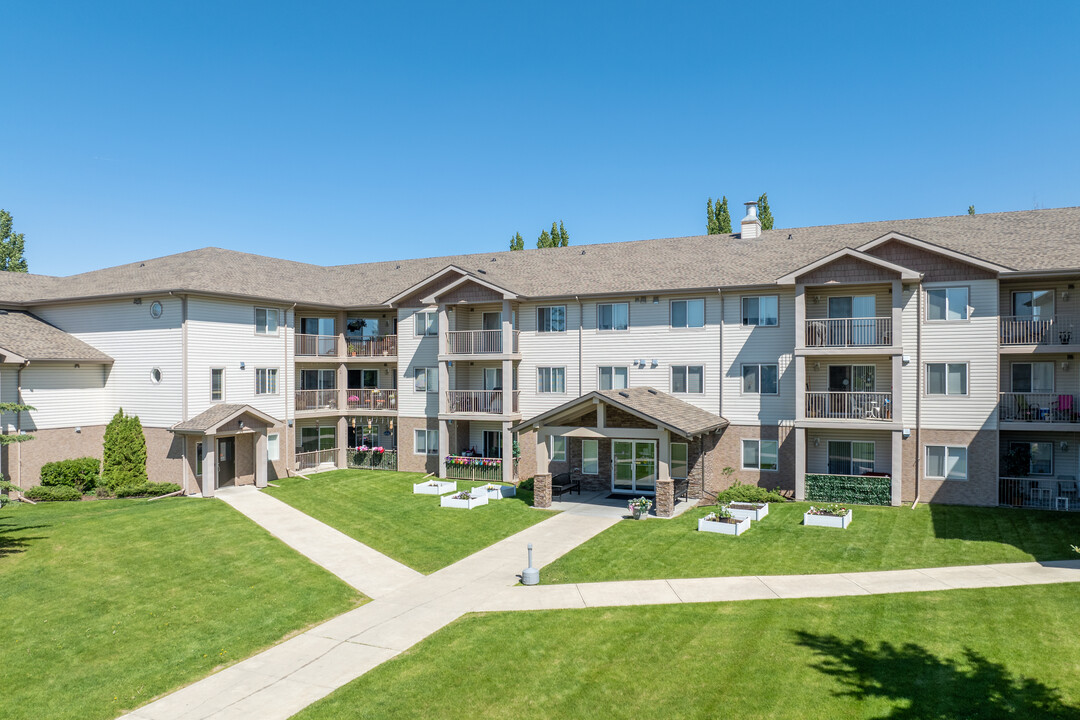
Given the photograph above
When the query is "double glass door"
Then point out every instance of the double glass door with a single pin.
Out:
(633, 466)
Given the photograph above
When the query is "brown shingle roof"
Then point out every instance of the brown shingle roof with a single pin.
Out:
(32, 338)
(217, 414)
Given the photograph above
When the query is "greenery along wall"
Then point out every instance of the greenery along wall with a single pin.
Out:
(849, 489)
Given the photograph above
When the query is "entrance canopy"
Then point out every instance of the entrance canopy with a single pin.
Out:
(234, 439)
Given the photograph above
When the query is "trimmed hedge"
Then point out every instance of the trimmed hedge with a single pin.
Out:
(53, 493)
(148, 489)
(124, 452)
(849, 489)
(740, 492)
(79, 473)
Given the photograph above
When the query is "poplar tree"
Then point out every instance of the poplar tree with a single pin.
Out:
(763, 212)
(544, 241)
(12, 246)
(517, 242)
(971, 209)
(564, 237)
(723, 218)
(711, 228)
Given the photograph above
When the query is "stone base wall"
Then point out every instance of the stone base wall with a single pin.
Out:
(526, 467)
(408, 460)
(981, 487)
(542, 490)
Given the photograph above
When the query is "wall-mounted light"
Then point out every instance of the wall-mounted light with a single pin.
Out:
(241, 366)
(1064, 364)
(656, 299)
(1064, 446)
(907, 433)
(137, 301)
(817, 442)
(1065, 295)
(76, 366)
(78, 429)
(240, 423)
(817, 298)
(817, 366)
(655, 362)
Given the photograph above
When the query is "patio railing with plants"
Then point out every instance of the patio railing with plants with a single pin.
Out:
(371, 399)
(317, 345)
(1037, 330)
(374, 346)
(315, 458)
(316, 400)
(460, 467)
(372, 458)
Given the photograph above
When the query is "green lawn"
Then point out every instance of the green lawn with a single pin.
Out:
(112, 602)
(977, 654)
(378, 509)
(879, 538)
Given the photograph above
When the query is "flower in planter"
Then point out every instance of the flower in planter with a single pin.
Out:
(362, 448)
(832, 509)
(463, 496)
(354, 398)
(642, 504)
(379, 449)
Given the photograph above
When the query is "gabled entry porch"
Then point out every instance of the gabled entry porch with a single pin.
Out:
(225, 445)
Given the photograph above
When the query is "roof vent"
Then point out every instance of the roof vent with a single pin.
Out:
(482, 272)
(494, 259)
(582, 252)
(142, 264)
(624, 393)
(652, 392)
(751, 225)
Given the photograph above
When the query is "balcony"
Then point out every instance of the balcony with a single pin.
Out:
(379, 346)
(849, 406)
(316, 400)
(1045, 493)
(1038, 408)
(316, 459)
(477, 342)
(487, 402)
(849, 332)
(371, 399)
(316, 345)
(1045, 331)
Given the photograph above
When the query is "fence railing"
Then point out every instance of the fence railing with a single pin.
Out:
(1038, 330)
(849, 332)
(317, 345)
(372, 460)
(316, 400)
(477, 469)
(377, 346)
(372, 399)
(1040, 494)
(1038, 407)
(316, 458)
(849, 405)
(473, 342)
(476, 401)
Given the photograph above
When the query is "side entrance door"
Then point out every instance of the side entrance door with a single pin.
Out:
(226, 461)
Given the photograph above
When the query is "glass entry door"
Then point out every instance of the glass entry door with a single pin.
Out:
(633, 466)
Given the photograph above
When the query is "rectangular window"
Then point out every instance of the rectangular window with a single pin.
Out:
(947, 303)
(551, 319)
(761, 310)
(759, 455)
(217, 384)
(558, 448)
(198, 459)
(850, 458)
(1037, 304)
(426, 323)
(273, 447)
(612, 316)
(946, 462)
(687, 313)
(426, 380)
(1039, 456)
(425, 442)
(1033, 377)
(551, 380)
(266, 321)
(317, 438)
(679, 460)
(760, 379)
(590, 457)
(946, 378)
(266, 381)
(612, 378)
(688, 379)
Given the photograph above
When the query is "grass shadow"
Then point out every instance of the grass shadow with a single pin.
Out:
(11, 539)
(928, 687)
(1045, 535)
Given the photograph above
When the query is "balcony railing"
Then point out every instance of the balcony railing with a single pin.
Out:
(849, 332)
(471, 468)
(377, 346)
(371, 399)
(317, 345)
(478, 401)
(477, 342)
(372, 460)
(316, 458)
(1039, 493)
(316, 400)
(1039, 407)
(849, 405)
(1042, 330)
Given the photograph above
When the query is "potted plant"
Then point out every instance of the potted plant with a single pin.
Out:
(639, 507)
(465, 500)
(723, 522)
(435, 487)
(832, 515)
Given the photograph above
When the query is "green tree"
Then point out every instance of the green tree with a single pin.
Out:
(9, 407)
(517, 242)
(723, 218)
(12, 246)
(763, 212)
(711, 228)
(124, 461)
(544, 241)
(564, 237)
(971, 209)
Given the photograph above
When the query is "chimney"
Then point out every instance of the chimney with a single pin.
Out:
(751, 226)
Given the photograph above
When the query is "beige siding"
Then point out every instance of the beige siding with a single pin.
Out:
(910, 374)
(817, 457)
(1067, 307)
(817, 371)
(817, 299)
(63, 396)
(416, 352)
(547, 350)
(1065, 381)
(744, 345)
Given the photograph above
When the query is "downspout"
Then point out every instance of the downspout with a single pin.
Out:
(18, 421)
(183, 385)
(285, 347)
(720, 407)
(580, 325)
(918, 390)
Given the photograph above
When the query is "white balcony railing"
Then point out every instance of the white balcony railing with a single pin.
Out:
(478, 401)
(849, 405)
(477, 342)
(317, 345)
(849, 332)
(371, 399)
(1038, 407)
(316, 400)
(470, 468)
(1041, 330)
(377, 346)
(316, 458)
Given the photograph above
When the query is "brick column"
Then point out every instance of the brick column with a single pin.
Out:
(665, 498)
(542, 490)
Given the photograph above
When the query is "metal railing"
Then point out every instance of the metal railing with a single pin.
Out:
(1038, 407)
(316, 458)
(317, 345)
(316, 400)
(1037, 330)
(372, 460)
(849, 405)
(474, 401)
(1038, 493)
(849, 332)
(463, 468)
(372, 399)
(376, 346)
(473, 342)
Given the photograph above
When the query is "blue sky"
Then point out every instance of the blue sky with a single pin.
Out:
(345, 132)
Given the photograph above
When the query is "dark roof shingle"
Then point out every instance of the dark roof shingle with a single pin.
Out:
(32, 338)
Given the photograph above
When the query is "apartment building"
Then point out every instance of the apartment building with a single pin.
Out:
(930, 356)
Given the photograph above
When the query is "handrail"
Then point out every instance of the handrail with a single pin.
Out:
(1038, 330)
(849, 405)
(473, 342)
(316, 345)
(317, 399)
(849, 332)
(475, 401)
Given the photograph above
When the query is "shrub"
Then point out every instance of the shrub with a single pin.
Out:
(124, 453)
(79, 473)
(53, 493)
(147, 489)
(526, 485)
(740, 492)
(103, 492)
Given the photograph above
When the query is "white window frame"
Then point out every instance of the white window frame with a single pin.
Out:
(551, 376)
(430, 377)
(430, 448)
(594, 467)
(557, 448)
(946, 449)
(685, 462)
(264, 330)
(948, 305)
(743, 316)
(759, 443)
(268, 371)
(273, 447)
(612, 328)
(222, 371)
(744, 391)
(686, 301)
(549, 308)
(426, 323)
(946, 363)
(686, 370)
(612, 368)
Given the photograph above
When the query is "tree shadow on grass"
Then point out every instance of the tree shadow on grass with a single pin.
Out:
(927, 687)
(1042, 534)
(12, 540)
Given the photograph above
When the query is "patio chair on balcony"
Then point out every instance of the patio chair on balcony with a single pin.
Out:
(1063, 408)
(1067, 490)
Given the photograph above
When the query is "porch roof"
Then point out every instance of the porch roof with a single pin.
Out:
(217, 415)
(667, 411)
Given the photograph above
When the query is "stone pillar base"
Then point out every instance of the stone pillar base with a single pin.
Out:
(542, 490)
(665, 498)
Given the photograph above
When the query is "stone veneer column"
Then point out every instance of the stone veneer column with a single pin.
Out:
(665, 498)
(542, 490)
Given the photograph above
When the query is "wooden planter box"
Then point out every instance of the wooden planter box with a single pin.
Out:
(754, 511)
(828, 520)
(434, 487)
(724, 528)
(466, 504)
(497, 492)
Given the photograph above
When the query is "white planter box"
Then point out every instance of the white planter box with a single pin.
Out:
(468, 504)
(757, 512)
(724, 528)
(435, 487)
(497, 492)
(827, 520)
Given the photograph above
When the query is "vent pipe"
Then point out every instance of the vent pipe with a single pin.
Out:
(751, 226)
